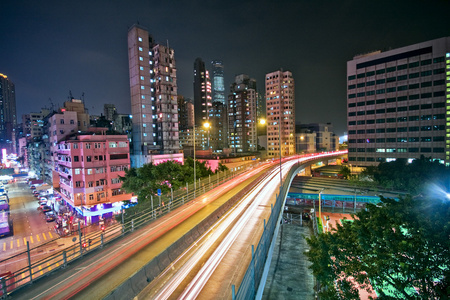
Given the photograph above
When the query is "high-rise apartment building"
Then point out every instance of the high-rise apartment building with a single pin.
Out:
(202, 93)
(398, 104)
(8, 116)
(242, 121)
(33, 124)
(68, 120)
(109, 110)
(89, 166)
(218, 83)
(218, 117)
(153, 86)
(280, 113)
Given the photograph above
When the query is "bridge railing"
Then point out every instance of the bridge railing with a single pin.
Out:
(35, 264)
(255, 272)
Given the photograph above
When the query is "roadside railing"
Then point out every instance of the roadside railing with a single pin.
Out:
(36, 264)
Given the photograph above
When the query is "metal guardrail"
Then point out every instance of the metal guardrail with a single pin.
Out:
(96, 240)
(249, 285)
(254, 274)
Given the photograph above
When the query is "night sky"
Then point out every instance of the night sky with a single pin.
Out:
(50, 47)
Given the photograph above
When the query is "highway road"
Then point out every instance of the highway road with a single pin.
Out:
(103, 271)
(207, 271)
(28, 223)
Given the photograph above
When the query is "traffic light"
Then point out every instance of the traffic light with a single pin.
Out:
(103, 228)
(84, 245)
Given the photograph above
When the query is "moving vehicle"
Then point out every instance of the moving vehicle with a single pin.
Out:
(5, 224)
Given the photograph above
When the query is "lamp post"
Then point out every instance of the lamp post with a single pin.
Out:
(320, 205)
(207, 125)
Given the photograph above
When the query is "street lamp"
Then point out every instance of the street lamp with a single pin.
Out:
(320, 205)
(207, 125)
(261, 122)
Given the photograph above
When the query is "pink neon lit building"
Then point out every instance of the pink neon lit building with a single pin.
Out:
(89, 166)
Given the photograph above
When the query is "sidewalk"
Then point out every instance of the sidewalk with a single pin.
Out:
(289, 276)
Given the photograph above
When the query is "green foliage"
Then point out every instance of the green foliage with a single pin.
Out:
(412, 178)
(397, 246)
(145, 181)
(345, 172)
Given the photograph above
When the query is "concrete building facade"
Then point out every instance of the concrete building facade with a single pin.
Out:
(280, 113)
(8, 114)
(89, 166)
(398, 104)
(153, 89)
(242, 117)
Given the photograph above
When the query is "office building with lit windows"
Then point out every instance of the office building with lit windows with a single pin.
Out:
(398, 104)
(280, 113)
(153, 87)
(202, 92)
(218, 83)
(8, 115)
(242, 120)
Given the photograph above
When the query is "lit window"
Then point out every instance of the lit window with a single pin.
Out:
(143, 116)
(141, 68)
(142, 87)
(145, 134)
(140, 58)
(140, 39)
(142, 77)
(140, 48)
(144, 125)
(149, 52)
(143, 97)
(143, 105)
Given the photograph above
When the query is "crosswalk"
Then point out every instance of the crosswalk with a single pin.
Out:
(34, 240)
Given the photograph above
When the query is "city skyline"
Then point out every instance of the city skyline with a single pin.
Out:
(49, 49)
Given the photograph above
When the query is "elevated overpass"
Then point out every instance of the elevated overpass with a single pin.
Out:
(132, 261)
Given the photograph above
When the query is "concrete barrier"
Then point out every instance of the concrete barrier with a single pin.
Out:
(135, 284)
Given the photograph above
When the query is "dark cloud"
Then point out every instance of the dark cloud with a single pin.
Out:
(50, 47)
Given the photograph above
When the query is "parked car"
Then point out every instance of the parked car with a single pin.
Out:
(32, 187)
(42, 203)
(50, 216)
(43, 198)
(46, 208)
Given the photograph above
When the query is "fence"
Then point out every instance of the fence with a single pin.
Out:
(254, 274)
(35, 266)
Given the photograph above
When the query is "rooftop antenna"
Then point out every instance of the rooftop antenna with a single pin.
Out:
(167, 43)
(82, 97)
(51, 103)
(70, 95)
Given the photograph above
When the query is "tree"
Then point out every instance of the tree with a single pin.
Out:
(402, 248)
(345, 172)
(412, 177)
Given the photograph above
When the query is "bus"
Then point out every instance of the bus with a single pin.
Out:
(5, 224)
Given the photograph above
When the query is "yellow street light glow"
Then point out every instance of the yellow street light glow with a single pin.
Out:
(262, 121)
(206, 125)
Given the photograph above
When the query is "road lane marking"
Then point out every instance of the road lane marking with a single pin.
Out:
(49, 268)
(51, 236)
(18, 243)
(38, 238)
(43, 234)
(11, 245)
(31, 238)
(4, 246)
(40, 269)
(24, 241)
